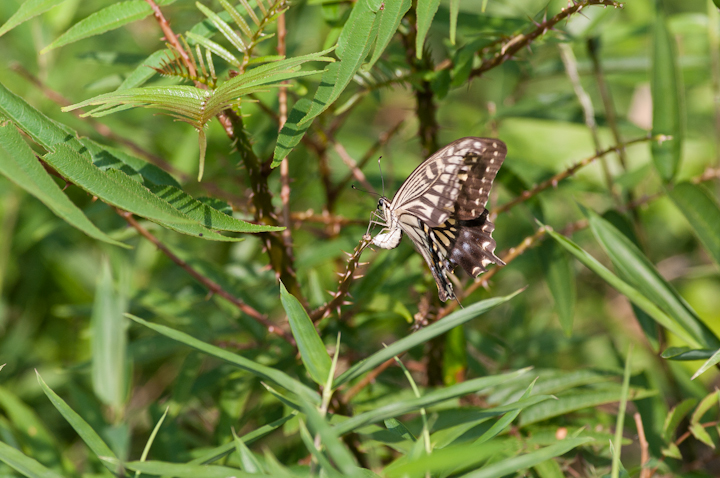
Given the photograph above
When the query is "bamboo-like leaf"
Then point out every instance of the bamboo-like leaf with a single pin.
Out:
(357, 37)
(312, 350)
(291, 133)
(709, 401)
(436, 396)
(711, 362)
(686, 353)
(455, 319)
(262, 371)
(87, 434)
(702, 211)
(667, 100)
(330, 438)
(20, 165)
(109, 341)
(624, 288)
(560, 278)
(29, 9)
(620, 421)
(247, 460)
(389, 19)
(24, 464)
(426, 10)
(442, 462)
(105, 20)
(177, 470)
(575, 401)
(515, 464)
(642, 275)
(454, 10)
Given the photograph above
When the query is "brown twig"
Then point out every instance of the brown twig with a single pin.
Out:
(644, 453)
(568, 59)
(211, 285)
(552, 182)
(284, 165)
(367, 380)
(347, 278)
(172, 39)
(510, 47)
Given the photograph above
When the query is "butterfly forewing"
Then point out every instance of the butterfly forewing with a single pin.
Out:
(441, 207)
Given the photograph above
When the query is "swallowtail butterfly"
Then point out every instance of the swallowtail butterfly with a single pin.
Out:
(441, 206)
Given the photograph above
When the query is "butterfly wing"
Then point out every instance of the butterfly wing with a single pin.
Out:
(455, 179)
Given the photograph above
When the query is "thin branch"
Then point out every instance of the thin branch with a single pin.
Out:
(644, 454)
(553, 181)
(352, 165)
(568, 59)
(172, 39)
(211, 285)
(284, 165)
(347, 278)
(367, 380)
(518, 42)
(382, 140)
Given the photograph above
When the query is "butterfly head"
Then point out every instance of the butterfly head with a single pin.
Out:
(383, 204)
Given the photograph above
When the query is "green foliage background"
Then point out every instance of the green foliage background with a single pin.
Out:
(634, 286)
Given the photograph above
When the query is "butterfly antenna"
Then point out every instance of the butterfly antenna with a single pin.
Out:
(363, 190)
(458, 301)
(381, 176)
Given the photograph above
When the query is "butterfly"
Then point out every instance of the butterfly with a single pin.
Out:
(441, 207)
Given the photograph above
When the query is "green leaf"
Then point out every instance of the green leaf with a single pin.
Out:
(701, 434)
(20, 165)
(711, 400)
(312, 350)
(28, 10)
(641, 274)
(560, 278)
(356, 39)
(247, 460)
(624, 288)
(87, 434)
(23, 464)
(701, 210)
(438, 328)
(517, 463)
(620, 421)
(105, 20)
(577, 400)
(666, 88)
(389, 19)
(116, 188)
(686, 353)
(711, 362)
(178, 470)
(262, 371)
(330, 438)
(454, 10)
(455, 356)
(291, 132)
(672, 450)
(431, 398)
(322, 461)
(426, 10)
(673, 419)
(549, 469)
(109, 341)
(204, 214)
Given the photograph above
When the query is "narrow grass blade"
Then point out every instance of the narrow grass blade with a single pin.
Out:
(87, 434)
(262, 371)
(620, 423)
(438, 328)
(28, 10)
(23, 464)
(702, 211)
(312, 350)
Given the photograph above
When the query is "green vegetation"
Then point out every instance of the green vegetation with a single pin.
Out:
(175, 201)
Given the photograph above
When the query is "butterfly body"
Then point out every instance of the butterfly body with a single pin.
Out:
(441, 207)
